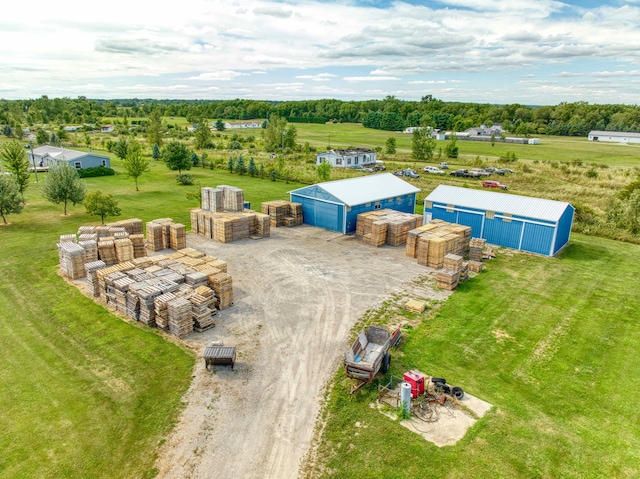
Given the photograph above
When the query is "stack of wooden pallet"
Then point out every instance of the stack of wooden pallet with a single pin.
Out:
(201, 307)
(161, 310)
(124, 250)
(91, 270)
(476, 247)
(133, 305)
(222, 285)
(453, 262)
(464, 272)
(107, 251)
(196, 279)
(263, 225)
(179, 315)
(87, 232)
(120, 289)
(90, 250)
(72, 259)
(475, 266)
(109, 289)
(147, 295)
(88, 237)
(177, 236)
(233, 198)
(132, 226)
(154, 236)
(431, 242)
(218, 264)
(380, 227)
(70, 238)
(212, 199)
(447, 279)
(137, 241)
(283, 213)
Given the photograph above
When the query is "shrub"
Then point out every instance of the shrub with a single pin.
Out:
(96, 171)
(591, 173)
(185, 179)
(235, 145)
(554, 164)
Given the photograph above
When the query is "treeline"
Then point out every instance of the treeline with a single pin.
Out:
(568, 119)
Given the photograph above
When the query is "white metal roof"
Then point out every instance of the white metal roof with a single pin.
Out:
(365, 189)
(548, 210)
(624, 134)
(56, 152)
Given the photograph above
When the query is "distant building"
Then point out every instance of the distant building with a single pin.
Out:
(231, 125)
(72, 128)
(44, 156)
(347, 158)
(107, 128)
(614, 136)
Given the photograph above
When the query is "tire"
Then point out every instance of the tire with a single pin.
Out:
(386, 362)
(438, 380)
(457, 392)
(445, 388)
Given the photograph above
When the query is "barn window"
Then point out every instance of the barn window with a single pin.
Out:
(348, 161)
(377, 206)
(490, 214)
(506, 218)
(338, 161)
(104, 162)
(450, 208)
(78, 165)
(428, 204)
(356, 161)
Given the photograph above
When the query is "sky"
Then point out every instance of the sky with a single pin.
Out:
(533, 52)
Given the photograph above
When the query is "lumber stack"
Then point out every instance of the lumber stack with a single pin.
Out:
(430, 243)
(107, 251)
(263, 225)
(120, 290)
(154, 236)
(196, 279)
(132, 226)
(380, 227)
(476, 247)
(177, 236)
(124, 249)
(447, 279)
(161, 310)
(72, 259)
(212, 199)
(233, 198)
(91, 270)
(179, 315)
(222, 285)
(453, 262)
(139, 249)
(283, 213)
(90, 250)
(475, 266)
(202, 301)
(147, 296)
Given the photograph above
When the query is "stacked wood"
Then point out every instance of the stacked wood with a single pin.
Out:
(141, 262)
(233, 198)
(464, 272)
(201, 311)
(447, 279)
(191, 252)
(161, 310)
(72, 259)
(132, 226)
(179, 315)
(263, 225)
(88, 237)
(102, 232)
(222, 285)
(476, 246)
(90, 250)
(87, 230)
(213, 199)
(194, 214)
(196, 279)
(177, 236)
(109, 289)
(475, 266)
(70, 238)
(91, 270)
(431, 242)
(453, 262)
(219, 265)
(154, 236)
(107, 251)
(283, 213)
(147, 296)
(118, 230)
(124, 250)
(120, 290)
(139, 249)
(415, 306)
(133, 305)
(120, 235)
(380, 227)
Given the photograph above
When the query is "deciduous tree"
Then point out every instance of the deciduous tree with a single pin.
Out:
(324, 171)
(135, 164)
(99, 204)
(63, 185)
(451, 150)
(391, 146)
(177, 156)
(422, 144)
(10, 201)
(15, 159)
(154, 128)
(120, 148)
(203, 135)
(220, 125)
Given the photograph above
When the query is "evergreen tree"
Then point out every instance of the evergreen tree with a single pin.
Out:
(54, 140)
(240, 167)
(422, 144)
(7, 131)
(155, 152)
(41, 137)
(154, 128)
(220, 125)
(391, 146)
(230, 164)
(120, 148)
(63, 185)
(252, 169)
(261, 173)
(194, 158)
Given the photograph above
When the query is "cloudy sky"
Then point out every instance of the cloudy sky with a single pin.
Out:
(527, 51)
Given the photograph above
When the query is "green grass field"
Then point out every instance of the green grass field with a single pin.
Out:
(550, 342)
(85, 393)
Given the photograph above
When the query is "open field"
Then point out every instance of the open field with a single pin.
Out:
(551, 343)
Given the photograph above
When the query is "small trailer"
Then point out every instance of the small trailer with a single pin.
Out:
(218, 356)
(369, 354)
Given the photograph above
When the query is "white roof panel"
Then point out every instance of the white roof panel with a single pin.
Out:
(539, 208)
(365, 189)
(56, 152)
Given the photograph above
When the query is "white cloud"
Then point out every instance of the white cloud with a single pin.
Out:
(318, 77)
(368, 79)
(222, 75)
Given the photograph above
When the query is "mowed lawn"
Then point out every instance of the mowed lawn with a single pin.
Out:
(552, 343)
(86, 394)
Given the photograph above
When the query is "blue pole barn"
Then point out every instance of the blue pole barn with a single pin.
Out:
(335, 205)
(535, 225)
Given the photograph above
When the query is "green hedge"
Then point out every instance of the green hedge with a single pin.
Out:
(96, 171)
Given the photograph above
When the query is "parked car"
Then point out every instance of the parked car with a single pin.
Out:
(506, 170)
(434, 170)
(444, 165)
(479, 173)
(459, 173)
(368, 170)
(410, 173)
(493, 184)
(492, 169)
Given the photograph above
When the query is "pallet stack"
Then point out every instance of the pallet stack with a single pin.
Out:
(430, 243)
(177, 236)
(72, 259)
(154, 237)
(90, 250)
(202, 301)
(476, 247)
(107, 251)
(475, 266)
(233, 198)
(222, 285)
(91, 270)
(380, 227)
(179, 316)
(132, 226)
(464, 272)
(212, 199)
(70, 238)
(161, 310)
(453, 262)
(196, 279)
(120, 290)
(447, 279)
(147, 296)
(283, 213)
(124, 249)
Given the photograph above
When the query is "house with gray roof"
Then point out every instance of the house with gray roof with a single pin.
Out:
(354, 157)
(44, 156)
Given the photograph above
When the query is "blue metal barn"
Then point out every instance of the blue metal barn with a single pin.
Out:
(335, 205)
(529, 224)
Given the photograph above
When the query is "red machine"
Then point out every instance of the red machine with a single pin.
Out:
(416, 379)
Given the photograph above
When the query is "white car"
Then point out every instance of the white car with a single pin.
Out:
(434, 170)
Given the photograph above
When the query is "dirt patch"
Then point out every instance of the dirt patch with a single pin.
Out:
(297, 295)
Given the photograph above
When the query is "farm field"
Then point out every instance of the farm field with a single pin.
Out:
(551, 343)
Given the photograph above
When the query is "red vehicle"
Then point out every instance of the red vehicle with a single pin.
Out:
(494, 184)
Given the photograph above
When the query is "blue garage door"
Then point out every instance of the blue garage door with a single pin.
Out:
(328, 216)
(537, 238)
(471, 219)
(503, 233)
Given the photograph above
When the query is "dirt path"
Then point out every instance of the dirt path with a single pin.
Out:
(297, 294)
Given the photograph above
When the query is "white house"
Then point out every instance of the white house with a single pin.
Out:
(231, 125)
(107, 128)
(72, 128)
(44, 156)
(614, 136)
(347, 158)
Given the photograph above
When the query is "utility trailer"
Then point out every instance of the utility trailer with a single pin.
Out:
(369, 354)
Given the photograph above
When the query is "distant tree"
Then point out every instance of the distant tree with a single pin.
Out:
(177, 156)
(135, 164)
(391, 146)
(279, 135)
(230, 164)
(203, 135)
(324, 171)
(240, 166)
(220, 125)
(252, 169)
(87, 140)
(451, 150)
(633, 212)
(15, 159)
(154, 128)
(195, 159)
(63, 185)
(54, 140)
(120, 148)
(261, 171)
(203, 157)
(99, 204)
(422, 144)
(273, 175)
(10, 201)
(7, 131)
(155, 152)
(41, 136)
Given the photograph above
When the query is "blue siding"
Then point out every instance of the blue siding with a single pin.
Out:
(503, 233)
(537, 238)
(564, 229)
(308, 209)
(440, 213)
(471, 219)
(321, 214)
(314, 191)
